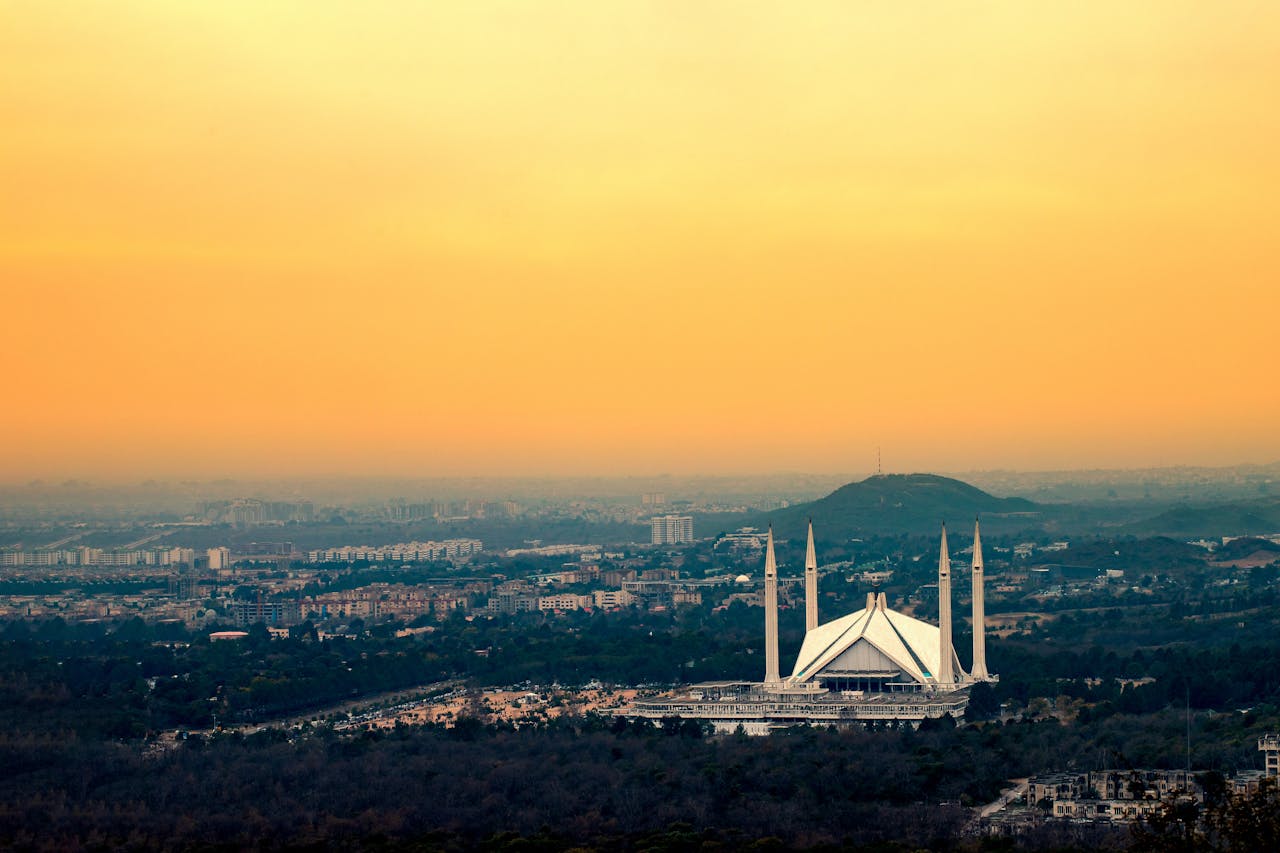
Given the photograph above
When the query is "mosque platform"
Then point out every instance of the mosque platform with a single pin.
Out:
(728, 704)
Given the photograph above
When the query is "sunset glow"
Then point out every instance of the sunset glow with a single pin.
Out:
(542, 238)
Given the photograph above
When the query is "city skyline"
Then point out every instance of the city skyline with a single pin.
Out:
(512, 239)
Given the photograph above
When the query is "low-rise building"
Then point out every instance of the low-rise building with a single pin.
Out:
(610, 599)
(617, 577)
(512, 602)
(1115, 810)
(1113, 795)
(565, 601)
(405, 552)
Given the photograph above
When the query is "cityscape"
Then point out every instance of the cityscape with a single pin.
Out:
(892, 630)
(647, 427)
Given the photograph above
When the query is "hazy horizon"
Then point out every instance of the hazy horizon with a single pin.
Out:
(849, 476)
(115, 475)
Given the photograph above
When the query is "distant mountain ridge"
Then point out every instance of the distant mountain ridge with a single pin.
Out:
(889, 504)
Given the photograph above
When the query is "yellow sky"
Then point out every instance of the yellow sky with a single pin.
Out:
(583, 237)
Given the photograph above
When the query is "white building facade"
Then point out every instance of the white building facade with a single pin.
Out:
(671, 529)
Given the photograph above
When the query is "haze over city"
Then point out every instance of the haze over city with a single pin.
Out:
(240, 239)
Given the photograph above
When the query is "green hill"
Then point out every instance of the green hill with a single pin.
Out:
(1246, 546)
(1131, 554)
(1244, 518)
(899, 503)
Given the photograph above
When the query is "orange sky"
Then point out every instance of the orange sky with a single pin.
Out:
(580, 237)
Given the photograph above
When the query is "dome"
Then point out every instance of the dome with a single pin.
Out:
(742, 579)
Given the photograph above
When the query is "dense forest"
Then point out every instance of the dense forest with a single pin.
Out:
(593, 782)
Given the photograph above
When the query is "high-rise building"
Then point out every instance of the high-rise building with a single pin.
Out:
(671, 529)
(184, 586)
(285, 612)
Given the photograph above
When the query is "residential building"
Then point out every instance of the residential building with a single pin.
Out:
(671, 529)
(565, 601)
(287, 612)
(1269, 745)
(609, 599)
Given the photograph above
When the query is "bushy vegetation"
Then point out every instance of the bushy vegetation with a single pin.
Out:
(591, 781)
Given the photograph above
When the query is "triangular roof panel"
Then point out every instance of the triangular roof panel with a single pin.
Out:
(911, 644)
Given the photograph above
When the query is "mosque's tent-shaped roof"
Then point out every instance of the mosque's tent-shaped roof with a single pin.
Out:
(874, 642)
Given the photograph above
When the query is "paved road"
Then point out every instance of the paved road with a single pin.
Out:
(1007, 796)
(392, 696)
(346, 706)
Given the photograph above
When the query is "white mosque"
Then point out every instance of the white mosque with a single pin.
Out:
(873, 664)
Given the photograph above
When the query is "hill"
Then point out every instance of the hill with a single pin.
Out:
(899, 503)
(1243, 518)
(1157, 554)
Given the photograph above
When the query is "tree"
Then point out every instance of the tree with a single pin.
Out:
(983, 702)
(1249, 822)
(304, 631)
(1244, 823)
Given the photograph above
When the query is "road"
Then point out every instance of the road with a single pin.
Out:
(1007, 796)
(395, 697)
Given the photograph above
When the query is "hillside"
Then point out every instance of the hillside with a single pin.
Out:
(899, 503)
(1245, 546)
(1244, 518)
(1157, 554)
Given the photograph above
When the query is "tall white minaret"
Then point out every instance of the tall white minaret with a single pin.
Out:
(979, 671)
(810, 584)
(945, 673)
(771, 679)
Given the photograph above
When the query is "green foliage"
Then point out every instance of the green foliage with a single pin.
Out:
(1242, 518)
(897, 503)
(489, 786)
(1244, 823)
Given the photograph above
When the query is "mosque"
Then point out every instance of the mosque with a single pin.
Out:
(875, 664)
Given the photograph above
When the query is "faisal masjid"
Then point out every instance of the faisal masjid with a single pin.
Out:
(873, 665)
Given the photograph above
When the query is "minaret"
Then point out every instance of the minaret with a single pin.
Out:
(810, 584)
(771, 678)
(979, 671)
(945, 673)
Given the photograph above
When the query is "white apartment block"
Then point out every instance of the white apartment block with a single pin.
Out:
(671, 529)
(608, 599)
(85, 556)
(405, 552)
(565, 601)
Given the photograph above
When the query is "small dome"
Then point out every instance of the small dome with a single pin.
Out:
(742, 579)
